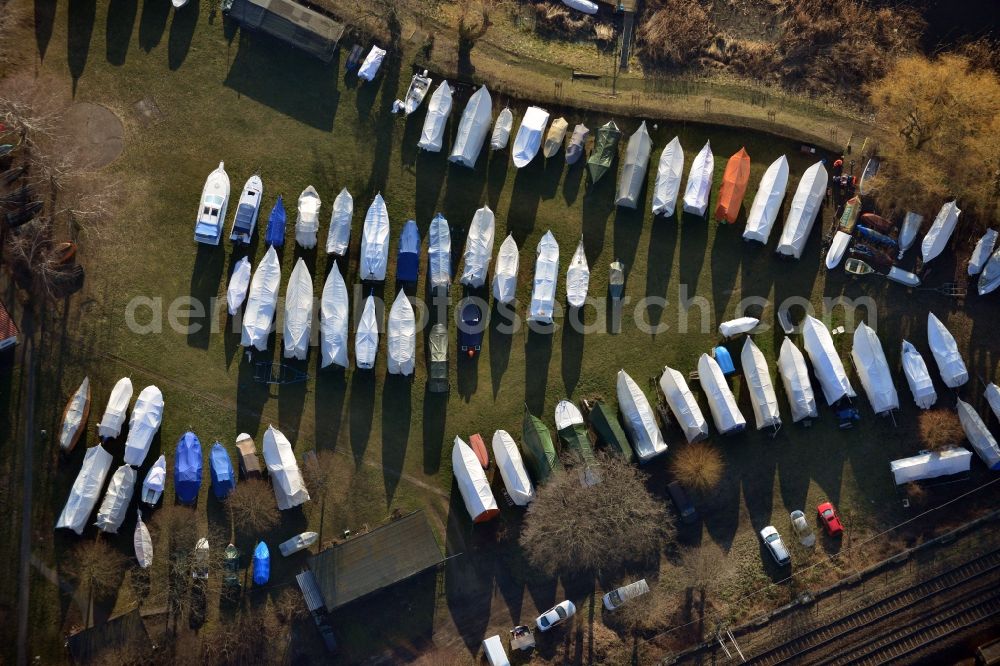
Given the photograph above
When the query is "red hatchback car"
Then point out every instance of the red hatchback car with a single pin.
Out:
(830, 519)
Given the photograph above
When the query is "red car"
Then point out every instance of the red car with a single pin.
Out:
(830, 519)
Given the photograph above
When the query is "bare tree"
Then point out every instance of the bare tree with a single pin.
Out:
(99, 567)
(252, 507)
(571, 528)
(318, 472)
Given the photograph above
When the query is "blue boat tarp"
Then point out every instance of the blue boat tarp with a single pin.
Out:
(261, 564)
(187, 468)
(223, 478)
(725, 360)
(276, 225)
(873, 236)
(408, 259)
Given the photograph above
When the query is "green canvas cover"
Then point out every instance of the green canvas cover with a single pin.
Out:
(609, 432)
(605, 149)
(539, 451)
(576, 439)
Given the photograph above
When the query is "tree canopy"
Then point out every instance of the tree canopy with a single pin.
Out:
(943, 138)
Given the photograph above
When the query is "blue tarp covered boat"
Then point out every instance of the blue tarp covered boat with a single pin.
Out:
(276, 225)
(725, 360)
(261, 564)
(187, 468)
(223, 478)
(877, 238)
(408, 259)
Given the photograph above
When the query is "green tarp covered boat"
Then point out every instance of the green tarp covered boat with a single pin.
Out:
(573, 433)
(605, 149)
(539, 451)
(609, 432)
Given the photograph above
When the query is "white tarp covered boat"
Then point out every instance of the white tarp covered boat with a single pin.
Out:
(982, 252)
(512, 470)
(401, 336)
(307, 223)
(898, 275)
(795, 378)
(758, 381)
(803, 211)
(472, 483)
(992, 394)
(918, 377)
(142, 543)
(989, 279)
(375, 241)
(239, 283)
(298, 311)
(633, 175)
(699, 183)
(501, 130)
(669, 173)
(146, 418)
(640, 422)
(908, 232)
(838, 246)
(873, 370)
(370, 66)
(826, 363)
(543, 291)
(933, 464)
(554, 138)
(946, 354)
(333, 319)
(585, 6)
(577, 277)
(86, 489)
(111, 515)
(939, 234)
(297, 543)
(73, 418)
(366, 337)
(339, 236)
(767, 202)
(114, 414)
(155, 481)
(438, 110)
(683, 405)
(258, 316)
(983, 442)
(529, 136)
(738, 326)
(439, 254)
(289, 489)
(721, 402)
(472, 129)
(505, 276)
(479, 248)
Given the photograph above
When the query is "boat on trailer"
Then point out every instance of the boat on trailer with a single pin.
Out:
(245, 220)
(419, 85)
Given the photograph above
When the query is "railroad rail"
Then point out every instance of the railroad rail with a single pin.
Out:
(984, 568)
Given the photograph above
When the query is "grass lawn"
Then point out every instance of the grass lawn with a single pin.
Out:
(261, 106)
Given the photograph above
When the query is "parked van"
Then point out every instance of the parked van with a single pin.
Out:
(495, 654)
(685, 510)
(616, 598)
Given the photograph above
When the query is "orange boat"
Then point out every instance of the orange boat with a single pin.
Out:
(734, 186)
(478, 447)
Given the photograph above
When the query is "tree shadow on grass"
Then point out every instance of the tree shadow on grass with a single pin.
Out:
(251, 396)
(694, 240)
(205, 277)
(627, 229)
(659, 263)
(725, 267)
(80, 28)
(496, 174)
(537, 356)
(431, 169)
(45, 18)
(118, 30)
(292, 397)
(571, 352)
(468, 579)
(385, 133)
(152, 23)
(330, 393)
(182, 28)
(396, 416)
(500, 339)
(434, 416)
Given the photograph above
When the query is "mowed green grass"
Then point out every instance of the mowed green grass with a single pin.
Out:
(261, 106)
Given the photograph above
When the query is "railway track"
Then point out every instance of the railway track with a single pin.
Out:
(948, 602)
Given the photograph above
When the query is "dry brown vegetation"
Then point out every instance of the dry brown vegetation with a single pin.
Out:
(673, 32)
(939, 428)
(253, 507)
(698, 467)
(97, 568)
(552, 18)
(571, 528)
(943, 138)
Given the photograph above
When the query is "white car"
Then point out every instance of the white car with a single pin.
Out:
(555, 615)
(616, 598)
(802, 529)
(775, 545)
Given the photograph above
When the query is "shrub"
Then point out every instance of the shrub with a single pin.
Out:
(939, 428)
(698, 467)
(672, 32)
